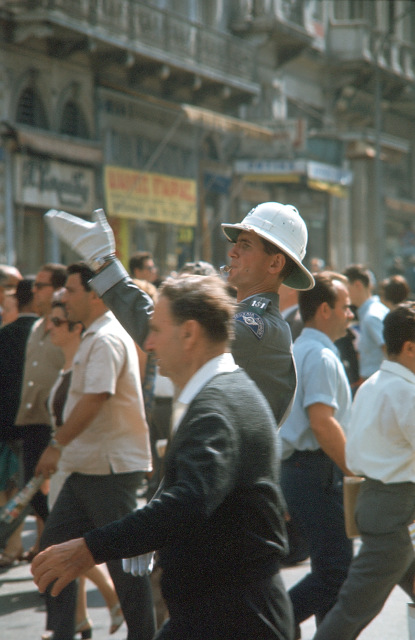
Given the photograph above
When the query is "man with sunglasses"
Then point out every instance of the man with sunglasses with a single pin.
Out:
(43, 361)
(103, 445)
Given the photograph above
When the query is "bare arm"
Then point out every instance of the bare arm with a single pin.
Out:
(78, 420)
(329, 434)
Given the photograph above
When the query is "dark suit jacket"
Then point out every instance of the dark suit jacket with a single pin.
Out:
(13, 339)
(218, 521)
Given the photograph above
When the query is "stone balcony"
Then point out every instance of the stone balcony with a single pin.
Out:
(145, 37)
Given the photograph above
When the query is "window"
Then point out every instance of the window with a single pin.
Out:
(73, 122)
(30, 109)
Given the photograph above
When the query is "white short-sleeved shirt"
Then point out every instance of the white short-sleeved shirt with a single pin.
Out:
(321, 378)
(117, 440)
(381, 432)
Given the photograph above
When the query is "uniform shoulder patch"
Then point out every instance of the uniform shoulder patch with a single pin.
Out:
(253, 321)
(259, 304)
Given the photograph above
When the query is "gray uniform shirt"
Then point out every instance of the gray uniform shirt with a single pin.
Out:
(262, 347)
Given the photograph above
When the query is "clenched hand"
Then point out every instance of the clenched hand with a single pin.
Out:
(63, 563)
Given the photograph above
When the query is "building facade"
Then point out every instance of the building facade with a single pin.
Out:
(176, 115)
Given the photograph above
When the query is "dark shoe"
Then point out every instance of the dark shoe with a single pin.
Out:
(84, 628)
(28, 555)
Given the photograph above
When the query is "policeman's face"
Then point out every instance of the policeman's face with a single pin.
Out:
(249, 261)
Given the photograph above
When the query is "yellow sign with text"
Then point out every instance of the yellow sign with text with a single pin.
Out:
(150, 196)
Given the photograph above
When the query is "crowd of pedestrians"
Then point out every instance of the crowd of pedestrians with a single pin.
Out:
(122, 378)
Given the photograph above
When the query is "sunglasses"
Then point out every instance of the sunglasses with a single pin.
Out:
(57, 322)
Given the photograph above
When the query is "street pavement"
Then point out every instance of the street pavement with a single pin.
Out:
(22, 609)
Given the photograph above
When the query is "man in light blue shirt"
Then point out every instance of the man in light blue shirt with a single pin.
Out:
(313, 446)
(370, 312)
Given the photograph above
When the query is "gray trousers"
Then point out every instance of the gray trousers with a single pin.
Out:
(85, 502)
(385, 559)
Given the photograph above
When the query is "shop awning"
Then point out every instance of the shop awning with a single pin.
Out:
(226, 124)
(55, 145)
(211, 120)
(317, 175)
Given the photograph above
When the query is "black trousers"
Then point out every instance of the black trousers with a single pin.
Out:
(35, 438)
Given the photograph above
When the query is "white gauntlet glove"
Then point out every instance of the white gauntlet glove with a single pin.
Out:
(94, 241)
(139, 565)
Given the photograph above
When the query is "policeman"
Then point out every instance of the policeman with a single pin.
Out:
(268, 247)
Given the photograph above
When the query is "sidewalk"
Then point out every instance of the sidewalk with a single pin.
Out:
(22, 610)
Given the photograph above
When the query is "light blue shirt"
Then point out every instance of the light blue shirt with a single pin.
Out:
(371, 315)
(320, 378)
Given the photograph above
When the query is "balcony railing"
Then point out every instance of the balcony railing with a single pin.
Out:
(353, 40)
(141, 28)
(265, 14)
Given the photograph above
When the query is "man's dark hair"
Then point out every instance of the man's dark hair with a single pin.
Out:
(396, 289)
(324, 290)
(57, 274)
(24, 292)
(358, 272)
(399, 327)
(204, 299)
(272, 249)
(85, 273)
(138, 260)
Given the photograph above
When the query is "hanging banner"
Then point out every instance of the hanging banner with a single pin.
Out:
(150, 196)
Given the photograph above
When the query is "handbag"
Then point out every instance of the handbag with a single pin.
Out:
(411, 620)
(351, 488)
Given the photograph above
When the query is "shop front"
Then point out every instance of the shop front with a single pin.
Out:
(153, 212)
(41, 184)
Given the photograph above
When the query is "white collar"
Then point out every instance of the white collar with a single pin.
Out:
(221, 364)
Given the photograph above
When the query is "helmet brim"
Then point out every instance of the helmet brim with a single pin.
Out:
(300, 278)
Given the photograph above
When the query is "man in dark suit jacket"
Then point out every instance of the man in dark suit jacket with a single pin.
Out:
(13, 338)
(217, 518)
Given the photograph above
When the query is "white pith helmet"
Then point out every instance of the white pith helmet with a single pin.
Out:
(282, 225)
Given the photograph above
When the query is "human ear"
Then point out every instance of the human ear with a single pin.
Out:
(190, 331)
(277, 262)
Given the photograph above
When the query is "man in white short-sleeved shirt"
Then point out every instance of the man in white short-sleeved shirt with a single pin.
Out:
(381, 447)
(104, 446)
